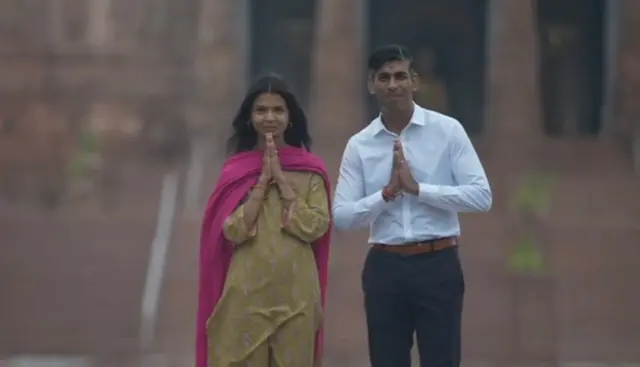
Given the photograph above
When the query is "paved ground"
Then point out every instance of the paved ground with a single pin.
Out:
(77, 290)
(72, 285)
(160, 360)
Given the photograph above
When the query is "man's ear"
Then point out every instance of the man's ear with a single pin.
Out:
(415, 80)
(370, 79)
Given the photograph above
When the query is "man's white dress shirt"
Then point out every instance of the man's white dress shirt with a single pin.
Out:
(442, 160)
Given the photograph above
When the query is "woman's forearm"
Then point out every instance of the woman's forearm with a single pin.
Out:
(253, 205)
(287, 193)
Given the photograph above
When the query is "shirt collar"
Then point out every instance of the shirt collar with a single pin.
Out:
(417, 118)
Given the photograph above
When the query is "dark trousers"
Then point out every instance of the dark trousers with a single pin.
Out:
(413, 293)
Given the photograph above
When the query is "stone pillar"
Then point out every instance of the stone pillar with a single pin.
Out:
(338, 83)
(217, 84)
(338, 105)
(515, 136)
(513, 81)
(611, 35)
(628, 78)
(216, 67)
(514, 129)
(99, 28)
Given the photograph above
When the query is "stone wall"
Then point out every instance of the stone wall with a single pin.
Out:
(100, 83)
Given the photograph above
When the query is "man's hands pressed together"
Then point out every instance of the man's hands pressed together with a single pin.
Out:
(401, 179)
(407, 182)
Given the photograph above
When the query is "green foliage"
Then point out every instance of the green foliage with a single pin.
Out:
(533, 195)
(88, 145)
(530, 201)
(88, 142)
(526, 256)
(80, 165)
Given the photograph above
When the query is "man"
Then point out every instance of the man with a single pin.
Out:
(406, 176)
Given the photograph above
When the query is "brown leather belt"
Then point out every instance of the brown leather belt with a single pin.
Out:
(417, 248)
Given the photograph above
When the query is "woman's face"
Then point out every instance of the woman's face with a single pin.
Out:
(270, 114)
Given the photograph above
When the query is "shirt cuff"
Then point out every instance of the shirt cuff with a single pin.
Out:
(374, 203)
(428, 192)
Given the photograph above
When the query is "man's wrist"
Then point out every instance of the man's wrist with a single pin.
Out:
(389, 193)
(414, 189)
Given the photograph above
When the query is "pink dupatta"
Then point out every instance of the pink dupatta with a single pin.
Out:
(239, 173)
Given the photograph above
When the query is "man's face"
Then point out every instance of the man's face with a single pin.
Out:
(393, 84)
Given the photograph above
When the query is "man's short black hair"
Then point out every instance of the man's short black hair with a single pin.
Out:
(387, 53)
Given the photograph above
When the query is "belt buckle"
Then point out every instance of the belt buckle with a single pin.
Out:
(431, 244)
(426, 245)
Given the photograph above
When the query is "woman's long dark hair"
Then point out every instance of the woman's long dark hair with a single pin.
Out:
(245, 137)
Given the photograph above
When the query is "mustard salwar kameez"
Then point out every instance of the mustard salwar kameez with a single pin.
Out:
(270, 309)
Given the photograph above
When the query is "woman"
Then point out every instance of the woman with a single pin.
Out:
(264, 242)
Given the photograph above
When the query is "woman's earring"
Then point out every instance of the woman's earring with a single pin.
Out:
(289, 125)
